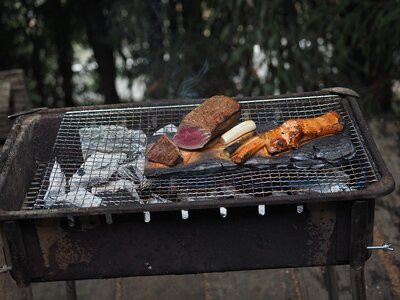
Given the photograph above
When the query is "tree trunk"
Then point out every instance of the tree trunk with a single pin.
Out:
(173, 22)
(38, 72)
(99, 39)
(156, 35)
(60, 15)
(37, 47)
(192, 17)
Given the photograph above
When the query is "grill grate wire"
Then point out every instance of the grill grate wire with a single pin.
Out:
(357, 172)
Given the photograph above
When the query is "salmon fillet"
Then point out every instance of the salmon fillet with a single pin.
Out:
(294, 132)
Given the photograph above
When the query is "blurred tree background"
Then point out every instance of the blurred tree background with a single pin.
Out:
(103, 51)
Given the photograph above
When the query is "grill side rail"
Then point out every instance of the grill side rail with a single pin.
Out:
(204, 243)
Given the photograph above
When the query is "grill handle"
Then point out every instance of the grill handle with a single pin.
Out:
(341, 91)
(385, 247)
(5, 269)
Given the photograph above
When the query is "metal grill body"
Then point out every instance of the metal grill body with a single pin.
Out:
(357, 172)
(64, 243)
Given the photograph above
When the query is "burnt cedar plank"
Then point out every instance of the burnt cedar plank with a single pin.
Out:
(322, 151)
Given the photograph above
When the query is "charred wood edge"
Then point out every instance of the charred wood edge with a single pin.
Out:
(358, 250)
(378, 189)
(16, 253)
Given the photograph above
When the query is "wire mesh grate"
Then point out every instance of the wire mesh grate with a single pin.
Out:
(99, 157)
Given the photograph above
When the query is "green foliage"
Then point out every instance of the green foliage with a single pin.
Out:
(235, 47)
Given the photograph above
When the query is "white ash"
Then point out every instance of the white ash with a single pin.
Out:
(157, 199)
(338, 181)
(76, 198)
(114, 186)
(125, 172)
(112, 138)
(56, 194)
(57, 185)
(98, 168)
(117, 139)
(170, 128)
(134, 169)
(326, 187)
(82, 198)
(57, 181)
(219, 192)
(278, 193)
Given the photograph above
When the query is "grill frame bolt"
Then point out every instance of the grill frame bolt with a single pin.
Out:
(147, 216)
(300, 209)
(71, 221)
(109, 219)
(5, 269)
(223, 212)
(385, 247)
(261, 209)
(185, 214)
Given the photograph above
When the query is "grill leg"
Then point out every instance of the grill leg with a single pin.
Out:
(358, 283)
(331, 280)
(71, 290)
(26, 293)
(358, 250)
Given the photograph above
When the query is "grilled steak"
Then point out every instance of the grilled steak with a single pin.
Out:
(164, 151)
(294, 132)
(213, 117)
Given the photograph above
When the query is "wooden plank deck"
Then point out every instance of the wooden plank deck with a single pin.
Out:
(382, 270)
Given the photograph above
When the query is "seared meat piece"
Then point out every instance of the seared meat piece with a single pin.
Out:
(164, 151)
(294, 132)
(212, 118)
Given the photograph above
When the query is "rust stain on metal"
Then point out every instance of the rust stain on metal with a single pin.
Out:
(118, 289)
(296, 283)
(321, 222)
(206, 287)
(67, 252)
(57, 249)
(49, 232)
(391, 269)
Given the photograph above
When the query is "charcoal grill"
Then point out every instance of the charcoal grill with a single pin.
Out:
(236, 219)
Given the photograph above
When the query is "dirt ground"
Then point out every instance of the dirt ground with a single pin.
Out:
(382, 270)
